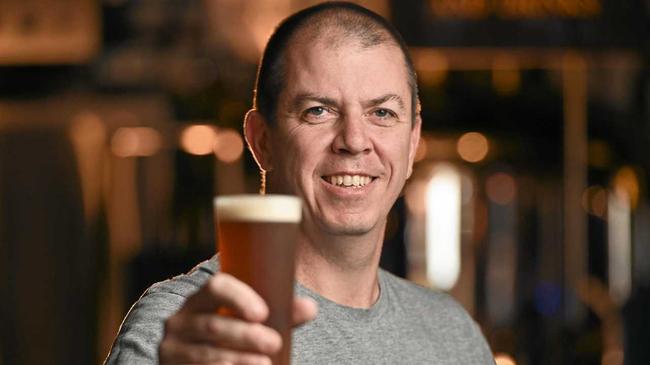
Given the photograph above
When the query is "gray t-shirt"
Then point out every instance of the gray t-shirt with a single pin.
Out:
(408, 325)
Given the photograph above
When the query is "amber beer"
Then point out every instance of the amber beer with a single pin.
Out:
(256, 239)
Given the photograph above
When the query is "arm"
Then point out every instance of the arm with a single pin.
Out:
(163, 327)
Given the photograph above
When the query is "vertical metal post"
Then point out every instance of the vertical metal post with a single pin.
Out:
(574, 76)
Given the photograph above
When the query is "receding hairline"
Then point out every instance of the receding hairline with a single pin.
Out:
(337, 24)
(295, 55)
(341, 26)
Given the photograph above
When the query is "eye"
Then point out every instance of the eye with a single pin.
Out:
(316, 111)
(383, 116)
(383, 113)
(317, 114)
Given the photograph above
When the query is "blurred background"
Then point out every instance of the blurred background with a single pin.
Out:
(120, 120)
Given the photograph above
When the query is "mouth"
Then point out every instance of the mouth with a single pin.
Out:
(349, 181)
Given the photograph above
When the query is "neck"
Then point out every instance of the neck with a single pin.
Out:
(341, 268)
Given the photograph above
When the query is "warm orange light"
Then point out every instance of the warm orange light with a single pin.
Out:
(442, 148)
(501, 188)
(472, 147)
(594, 201)
(505, 75)
(88, 135)
(198, 139)
(245, 25)
(414, 196)
(135, 141)
(432, 66)
(228, 145)
(87, 126)
(626, 185)
(614, 356)
(504, 359)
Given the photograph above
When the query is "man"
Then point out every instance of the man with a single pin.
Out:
(335, 122)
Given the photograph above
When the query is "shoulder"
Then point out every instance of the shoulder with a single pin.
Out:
(142, 328)
(167, 296)
(431, 308)
(186, 284)
(440, 316)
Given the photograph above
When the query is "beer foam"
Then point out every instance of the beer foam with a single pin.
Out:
(259, 208)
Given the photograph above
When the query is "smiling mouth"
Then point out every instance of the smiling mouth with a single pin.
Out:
(349, 181)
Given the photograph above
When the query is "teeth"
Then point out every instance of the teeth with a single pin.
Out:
(349, 180)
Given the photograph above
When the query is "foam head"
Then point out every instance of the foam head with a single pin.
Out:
(259, 208)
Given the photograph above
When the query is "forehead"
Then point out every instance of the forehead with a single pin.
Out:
(345, 68)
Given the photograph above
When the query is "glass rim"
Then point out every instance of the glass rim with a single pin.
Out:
(276, 208)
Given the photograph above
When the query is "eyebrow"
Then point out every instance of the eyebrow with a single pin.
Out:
(384, 98)
(301, 99)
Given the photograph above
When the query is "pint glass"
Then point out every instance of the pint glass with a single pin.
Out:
(256, 239)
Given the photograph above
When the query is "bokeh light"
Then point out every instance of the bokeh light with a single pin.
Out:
(443, 213)
(228, 145)
(198, 139)
(415, 196)
(472, 147)
(506, 78)
(619, 234)
(548, 298)
(432, 66)
(135, 142)
(504, 359)
(501, 188)
(87, 126)
(594, 201)
(626, 185)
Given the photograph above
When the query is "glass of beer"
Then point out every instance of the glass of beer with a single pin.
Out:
(257, 238)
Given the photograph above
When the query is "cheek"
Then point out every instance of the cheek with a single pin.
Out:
(395, 151)
(304, 157)
(299, 156)
(308, 145)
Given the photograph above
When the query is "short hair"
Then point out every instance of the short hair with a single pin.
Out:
(345, 21)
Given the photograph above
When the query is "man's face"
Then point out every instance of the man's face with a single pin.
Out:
(344, 139)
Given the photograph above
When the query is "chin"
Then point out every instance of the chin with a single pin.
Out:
(349, 231)
(348, 228)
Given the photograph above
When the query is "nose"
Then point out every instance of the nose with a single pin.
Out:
(352, 136)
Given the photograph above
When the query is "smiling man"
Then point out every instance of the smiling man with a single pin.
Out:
(335, 122)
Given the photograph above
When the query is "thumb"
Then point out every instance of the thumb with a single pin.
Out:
(304, 310)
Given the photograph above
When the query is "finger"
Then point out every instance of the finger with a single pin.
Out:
(177, 352)
(224, 290)
(225, 332)
(304, 310)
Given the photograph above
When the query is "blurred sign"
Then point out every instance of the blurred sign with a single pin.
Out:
(516, 9)
(246, 26)
(522, 23)
(48, 31)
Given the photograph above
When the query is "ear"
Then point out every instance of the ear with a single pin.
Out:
(257, 134)
(414, 139)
